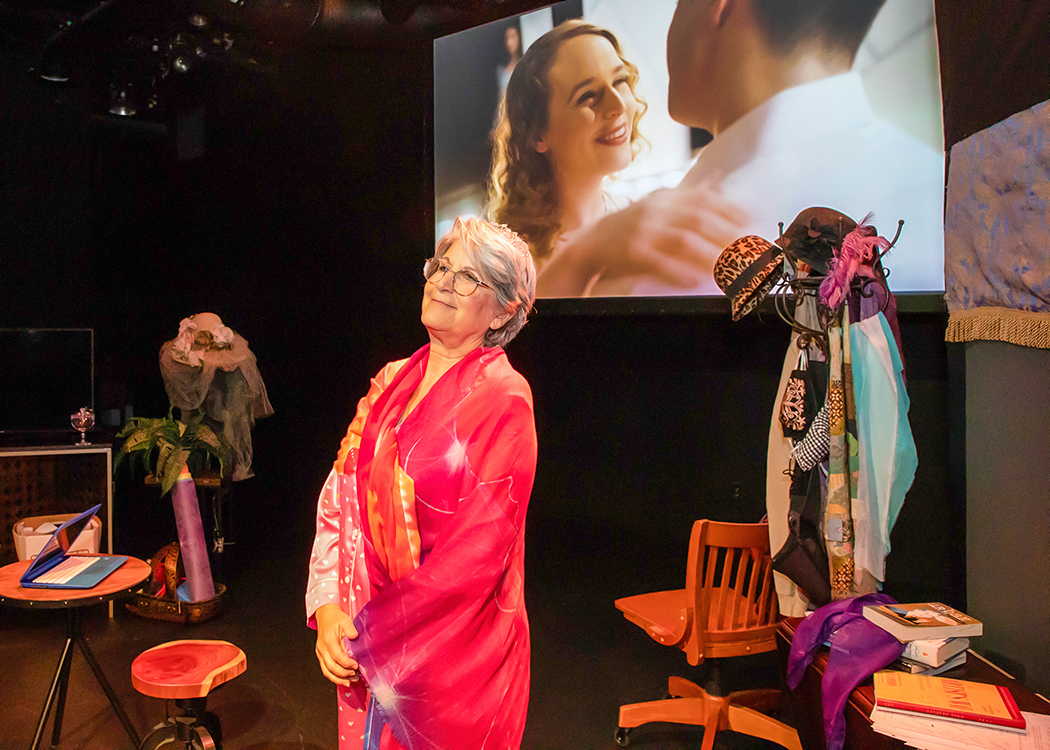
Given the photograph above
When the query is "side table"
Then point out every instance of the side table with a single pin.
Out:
(805, 704)
(119, 583)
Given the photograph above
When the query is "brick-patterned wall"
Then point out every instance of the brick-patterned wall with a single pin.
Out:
(47, 484)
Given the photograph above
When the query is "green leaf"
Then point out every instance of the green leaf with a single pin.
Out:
(187, 442)
(168, 472)
(139, 439)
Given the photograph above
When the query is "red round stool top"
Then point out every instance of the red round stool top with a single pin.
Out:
(186, 669)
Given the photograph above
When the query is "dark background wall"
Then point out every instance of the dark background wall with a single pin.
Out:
(995, 62)
(303, 220)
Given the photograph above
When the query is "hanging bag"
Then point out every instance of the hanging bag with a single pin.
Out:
(803, 395)
(803, 557)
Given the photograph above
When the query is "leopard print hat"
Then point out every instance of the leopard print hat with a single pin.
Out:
(746, 270)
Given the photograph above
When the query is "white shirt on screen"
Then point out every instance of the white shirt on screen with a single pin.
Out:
(820, 144)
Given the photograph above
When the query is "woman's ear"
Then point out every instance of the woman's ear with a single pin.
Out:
(540, 145)
(500, 320)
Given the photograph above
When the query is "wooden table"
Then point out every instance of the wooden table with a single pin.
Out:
(804, 703)
(120, 582)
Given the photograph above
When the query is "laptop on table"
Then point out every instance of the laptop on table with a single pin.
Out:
(55, 568)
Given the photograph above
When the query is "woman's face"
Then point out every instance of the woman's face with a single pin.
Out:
(455, 320)
(591, 110)
(512, 40)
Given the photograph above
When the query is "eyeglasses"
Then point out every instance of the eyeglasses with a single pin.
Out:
(464, 283)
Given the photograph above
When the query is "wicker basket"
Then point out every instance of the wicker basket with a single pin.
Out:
(177, 611)
(158, 599)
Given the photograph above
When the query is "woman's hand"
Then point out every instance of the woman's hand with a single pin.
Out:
(672, 238)
(333, 624)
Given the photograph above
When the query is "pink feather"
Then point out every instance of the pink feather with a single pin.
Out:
(854, 257)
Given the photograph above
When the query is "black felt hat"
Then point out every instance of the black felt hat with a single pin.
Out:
(815, 235)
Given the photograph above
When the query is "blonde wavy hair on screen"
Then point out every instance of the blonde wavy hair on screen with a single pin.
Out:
(521, 189)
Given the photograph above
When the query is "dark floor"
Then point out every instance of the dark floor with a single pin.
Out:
(586, 658)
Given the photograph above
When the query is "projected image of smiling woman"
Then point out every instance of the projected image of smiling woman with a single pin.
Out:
(568, 122)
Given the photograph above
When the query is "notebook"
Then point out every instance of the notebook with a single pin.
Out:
(54, 568)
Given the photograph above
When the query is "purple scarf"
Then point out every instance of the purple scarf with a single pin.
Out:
(859, 648)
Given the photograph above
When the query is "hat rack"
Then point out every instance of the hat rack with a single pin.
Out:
(801, 287)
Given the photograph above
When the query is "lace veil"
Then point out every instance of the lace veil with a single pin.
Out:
(209, 367)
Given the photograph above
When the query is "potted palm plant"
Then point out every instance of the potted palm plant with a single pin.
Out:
(172, 450)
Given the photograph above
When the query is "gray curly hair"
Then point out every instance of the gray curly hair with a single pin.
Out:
(506, 264)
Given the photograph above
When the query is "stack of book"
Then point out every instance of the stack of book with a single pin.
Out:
(938, 713)
(935, 712)
(935, 636)
(931, 657)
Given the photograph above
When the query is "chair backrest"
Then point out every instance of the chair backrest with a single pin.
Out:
(730, 589)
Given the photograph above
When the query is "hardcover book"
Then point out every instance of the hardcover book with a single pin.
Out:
(934, 652)
(963, 701)
(903, 664)
(923, 621)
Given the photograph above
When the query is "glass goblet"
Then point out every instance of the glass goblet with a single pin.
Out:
(83, 421)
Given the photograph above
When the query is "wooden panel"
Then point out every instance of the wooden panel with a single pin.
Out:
(38, 485)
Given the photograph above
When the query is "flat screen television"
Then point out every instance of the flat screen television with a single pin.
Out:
(46, 374)
(882, 152)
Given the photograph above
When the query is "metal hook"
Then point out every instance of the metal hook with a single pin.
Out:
(783, 246)
(801, 288)
(900, 226)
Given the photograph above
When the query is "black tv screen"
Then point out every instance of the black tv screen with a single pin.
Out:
(865, 136)
(46, 374)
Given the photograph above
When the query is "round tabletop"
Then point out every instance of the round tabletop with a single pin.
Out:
(120, 582)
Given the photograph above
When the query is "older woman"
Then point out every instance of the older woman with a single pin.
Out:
(416, 575)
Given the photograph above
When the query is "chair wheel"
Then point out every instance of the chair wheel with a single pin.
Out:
(163, 738)
(622, 737)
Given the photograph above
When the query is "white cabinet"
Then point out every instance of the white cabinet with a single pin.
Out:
(48, 479)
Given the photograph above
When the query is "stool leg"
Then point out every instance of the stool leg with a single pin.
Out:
(167, 736)
(189, 727)
(191, 711)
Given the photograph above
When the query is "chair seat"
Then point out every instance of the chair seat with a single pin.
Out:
(661, 614)
(186, 669)
(664, 616)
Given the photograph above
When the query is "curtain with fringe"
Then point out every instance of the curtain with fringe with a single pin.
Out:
(997, 233)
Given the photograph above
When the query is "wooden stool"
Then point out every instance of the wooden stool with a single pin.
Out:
(186, 671)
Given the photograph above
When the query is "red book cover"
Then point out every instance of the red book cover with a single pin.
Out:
(957, 700)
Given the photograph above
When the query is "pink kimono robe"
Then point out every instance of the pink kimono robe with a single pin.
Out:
(420, 537)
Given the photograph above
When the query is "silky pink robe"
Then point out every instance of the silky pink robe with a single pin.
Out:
(444, 649)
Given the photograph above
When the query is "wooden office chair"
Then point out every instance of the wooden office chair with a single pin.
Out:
(186, 671)
(728, 608)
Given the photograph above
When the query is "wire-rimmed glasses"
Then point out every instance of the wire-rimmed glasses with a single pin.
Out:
(464, 283)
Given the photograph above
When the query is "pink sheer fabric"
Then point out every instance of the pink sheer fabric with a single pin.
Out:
(209, 367)
(444, 649)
